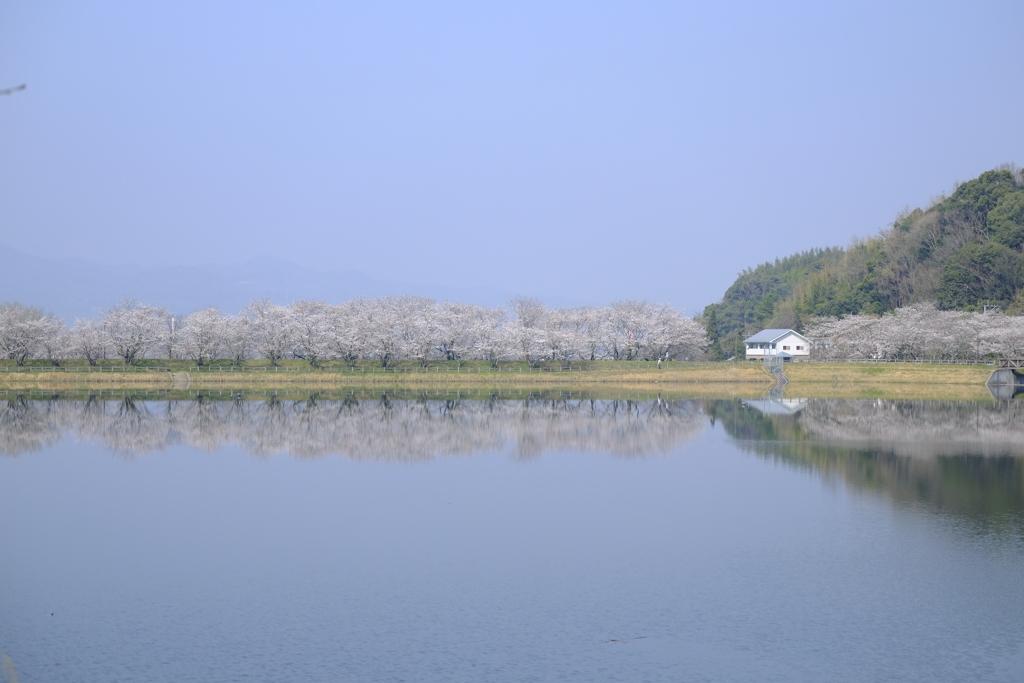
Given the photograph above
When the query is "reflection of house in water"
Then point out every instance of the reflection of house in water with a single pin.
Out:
(771, 405)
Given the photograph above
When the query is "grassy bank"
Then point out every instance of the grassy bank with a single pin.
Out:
(887, 373)
(443, 375)
(837, 380)
(299, 393)
(162, 392)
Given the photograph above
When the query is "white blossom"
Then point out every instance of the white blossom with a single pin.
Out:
(270, 329)
(384, 329)
(133, 328)
(919, 332)
(202, 335)
(24, 330)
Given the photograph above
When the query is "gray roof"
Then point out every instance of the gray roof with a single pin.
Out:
(771, 335)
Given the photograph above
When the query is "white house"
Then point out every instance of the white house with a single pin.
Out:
(786, 344)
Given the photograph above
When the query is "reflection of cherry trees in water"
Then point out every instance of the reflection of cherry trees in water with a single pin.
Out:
(131, 428)
(914, 451)
(918, 427)
(26, 426)
(381, 429)
(959, 458)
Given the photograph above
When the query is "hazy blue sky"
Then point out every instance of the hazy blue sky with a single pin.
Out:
(590, 150)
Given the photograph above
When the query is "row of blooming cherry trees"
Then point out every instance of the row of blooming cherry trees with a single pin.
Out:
(390, 329)
(920, 332)
(385, 329)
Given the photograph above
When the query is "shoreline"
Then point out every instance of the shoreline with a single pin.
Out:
(676, 379)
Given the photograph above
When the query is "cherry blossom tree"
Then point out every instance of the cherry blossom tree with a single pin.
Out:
(237, 338)
(23, 330)
(418, 327)
(348, 339)
(385, 329)
(919, 332)
(134, 328)
(381, 320)
(89, 340)
(492, 342)
(312, 329)
(202, 334)
(629, 326)
(56, 344)
(671, 335)
(592, 325)
(465, 330)
(526, 332)
(270, 328)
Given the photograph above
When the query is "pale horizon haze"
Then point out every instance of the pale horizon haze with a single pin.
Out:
(584, 152)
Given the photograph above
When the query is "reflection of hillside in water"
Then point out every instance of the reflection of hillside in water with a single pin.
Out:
(960, 457)
(383, 429)
(966, 458)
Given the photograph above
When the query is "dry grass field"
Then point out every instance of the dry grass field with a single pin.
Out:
(810, 380)
(887, 373)
(679, 374)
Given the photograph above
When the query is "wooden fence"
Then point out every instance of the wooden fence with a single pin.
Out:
(921, 361)
(519, 367)
(80, 368)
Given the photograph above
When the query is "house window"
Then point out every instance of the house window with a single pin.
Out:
(799, 348)
(773, 346)
(785, 348)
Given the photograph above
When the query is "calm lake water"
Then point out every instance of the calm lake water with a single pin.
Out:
(547, 539)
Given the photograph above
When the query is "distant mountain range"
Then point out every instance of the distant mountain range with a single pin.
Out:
(77, 287)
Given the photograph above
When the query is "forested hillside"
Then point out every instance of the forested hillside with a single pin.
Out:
(962, 252)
